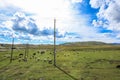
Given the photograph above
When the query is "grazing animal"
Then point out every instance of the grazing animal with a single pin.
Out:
(38, 59)
(38, 51)
(25, 60)
(65, 55)
(50, 61)
(19, 60)
(42, 52)
(33, 55)
(118, 66)
(20, 55)
(45, 60)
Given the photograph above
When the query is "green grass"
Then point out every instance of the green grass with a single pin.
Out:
(74, 63)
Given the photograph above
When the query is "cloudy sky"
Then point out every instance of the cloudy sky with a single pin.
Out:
(32, 21)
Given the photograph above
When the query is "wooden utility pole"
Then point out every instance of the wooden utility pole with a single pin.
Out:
(54, 42)
(26, 52)
(12, 50)
(27, 49)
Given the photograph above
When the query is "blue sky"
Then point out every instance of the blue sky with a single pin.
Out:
(32, 21)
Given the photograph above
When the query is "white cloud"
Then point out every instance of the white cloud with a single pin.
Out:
(108, 15)
(44, 8)
(47, 10)
(96, 3)
(43, 13)
(76, 1)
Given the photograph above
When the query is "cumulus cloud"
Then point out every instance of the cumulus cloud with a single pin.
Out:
(96, 3)
(108, 15)
(23, 23)
(35, 24)
(34, 20)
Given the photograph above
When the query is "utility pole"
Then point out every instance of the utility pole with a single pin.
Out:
(54, 42)
(12, 50)
(27, 49)
(26, 52)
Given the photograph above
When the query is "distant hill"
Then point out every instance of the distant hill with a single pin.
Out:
(115, 43)
(84, 43)
(87, 43)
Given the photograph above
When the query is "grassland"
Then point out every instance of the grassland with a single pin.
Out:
(91, 62)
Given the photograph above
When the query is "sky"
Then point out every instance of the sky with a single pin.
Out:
(32, 21)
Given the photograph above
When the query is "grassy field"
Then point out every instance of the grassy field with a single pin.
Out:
(72, 63)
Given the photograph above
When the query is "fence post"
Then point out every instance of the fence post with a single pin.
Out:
(12, 50)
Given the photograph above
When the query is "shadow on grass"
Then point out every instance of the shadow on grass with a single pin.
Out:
(66, 73)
